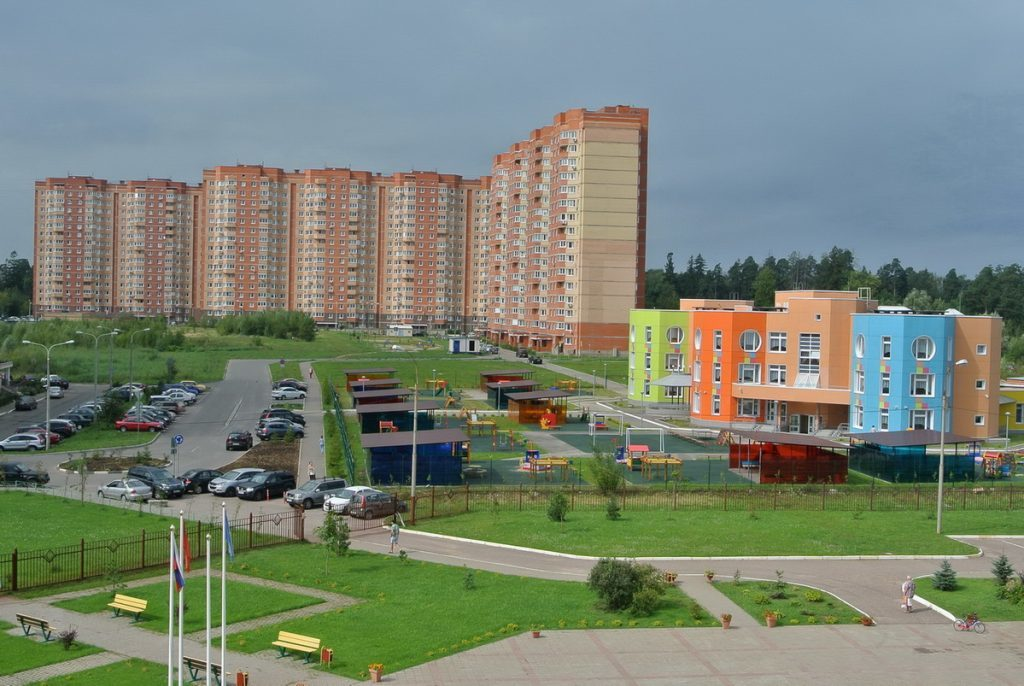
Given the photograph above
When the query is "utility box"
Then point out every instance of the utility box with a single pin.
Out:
(464, 344)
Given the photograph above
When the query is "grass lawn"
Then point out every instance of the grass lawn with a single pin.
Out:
(972, 595)
(245, 601)
(18, 653)
(687, 533)
(97, 438)
(618, 368)
(418, 611)
(135, 672)
(797, 604)
(67, 521)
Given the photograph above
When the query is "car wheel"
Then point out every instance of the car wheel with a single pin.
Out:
(152, 429)
(367, 514)
(124, 498)
(99, 494)
(124, 429)
(231, 491)
(307, 504)
(197, 489)
(33, 447)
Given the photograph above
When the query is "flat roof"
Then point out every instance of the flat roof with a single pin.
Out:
(399, 438)
(501, 372)
(787, 438)
(538, 395)
(902, 439)
(525, 383)
(376, 382)
(371, 370)
(383, 393)
(399, 407)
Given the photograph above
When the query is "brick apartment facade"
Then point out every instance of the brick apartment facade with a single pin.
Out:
(547, 252)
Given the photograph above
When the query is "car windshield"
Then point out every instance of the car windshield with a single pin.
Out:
(233, 474)
(162, 474)
(260, 478)
(134, 483)
(308, 487)
(347, 493)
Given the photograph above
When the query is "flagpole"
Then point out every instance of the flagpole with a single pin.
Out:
(170, 612)
(208, 668)
(181, 598)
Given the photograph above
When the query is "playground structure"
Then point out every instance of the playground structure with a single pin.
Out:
(436, 386)
(535, 464)
(599, 422)
(998, 464)
(631, 432)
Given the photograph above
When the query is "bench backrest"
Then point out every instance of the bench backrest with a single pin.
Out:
(299, 639)
(27, 619)
(198, 663)
(129, 601)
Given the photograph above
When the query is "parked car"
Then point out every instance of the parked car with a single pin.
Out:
(279, 428)
(287, 393)
(61, 426)
(180, 394)
(283, 413)
(17, 472)
(55, 391)
(368, 505)
(25, 441)
(228, 483)
(38, 429)
(86, 411)
(198, 386)
(126, 489)
(165, 403)
(163, 483)
(522, 352)
(180, 387)
(137, 424)
(238, 440)
(291, 383)
(25, 402)
(55, 380)
(79, 420)
(313, 493)
(266, 485)
(198, 480)
(536, 359)
(339, 503)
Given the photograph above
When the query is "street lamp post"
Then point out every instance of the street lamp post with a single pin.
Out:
(96, 358)
(942, 440)
(111, 333)
(48, 348)
(1007, 429)
(593, 381)
(606, 375)
(131, 360)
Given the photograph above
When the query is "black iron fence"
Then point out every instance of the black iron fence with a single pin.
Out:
(21, 570)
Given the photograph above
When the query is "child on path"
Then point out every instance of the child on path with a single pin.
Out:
(909, 588)
(394, 535)
(311, 471)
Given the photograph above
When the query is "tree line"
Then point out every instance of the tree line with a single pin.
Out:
(15, 286)
(995, 290)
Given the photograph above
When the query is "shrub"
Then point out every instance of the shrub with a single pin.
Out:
(1012, 591)
(68, 637)
(612, 510)
(558, 507)
(645, 601)
(813, 595)
(944, 579)
(618, 583)
(469, 581)
(1002, 570)
(605, 473)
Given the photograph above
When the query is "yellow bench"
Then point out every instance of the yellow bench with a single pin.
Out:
(27, 622)
(301, 644)
(197, 666)
(129, 604)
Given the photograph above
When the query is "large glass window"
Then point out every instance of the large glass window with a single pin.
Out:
(696, 371)
(750, 373)
(674, 334)
(884, 383)
(922, 384)
(697, 339)
(647, 360)
(673, 361)
(883, 419)
(886, 347)
(717, 341)
(777, 374)
(810, 353)
(716, 404)
(923, 348)
(858, 416)
(748, 407)
(750, 341)
(648, 333)
(716, 372)
(858, 345)
(858, 381)
(776, 341)
(920, 419)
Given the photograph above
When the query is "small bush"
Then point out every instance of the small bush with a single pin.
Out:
(558, 507)
(612, 511)
(1002, 570)
(68, 637)
(761, 598)
(944, 579)
(469, 581)
(618, 583)
(813, 595)
(605, 473)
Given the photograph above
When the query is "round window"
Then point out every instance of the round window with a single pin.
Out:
(674, 335)
(923, 348)
(750, 341)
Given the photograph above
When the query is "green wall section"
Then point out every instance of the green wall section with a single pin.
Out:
(659, 347)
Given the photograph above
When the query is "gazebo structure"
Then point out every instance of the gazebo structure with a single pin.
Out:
(374, 384)
(678, 386)
(387, 395)
(497, 391)
(439, 456)
(781, 457)
(902, 456)
(379, 417)
(367, 373)
(532, 407)
(495, 375)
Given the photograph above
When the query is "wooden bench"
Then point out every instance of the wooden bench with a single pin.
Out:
(127, 603)
(197, 667)
(301, 644)
(28, 623)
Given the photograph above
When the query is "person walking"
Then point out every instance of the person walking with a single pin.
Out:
(909, 588)
(394, 534)
(311, 471)
(311, 372)
(321, 444)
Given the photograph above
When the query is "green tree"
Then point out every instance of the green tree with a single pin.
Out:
(1002, 570)
(944, 578)
(623, 584)
(764, 287)
(605, 473)
(834, 269)
(558, 507)
(334, 535)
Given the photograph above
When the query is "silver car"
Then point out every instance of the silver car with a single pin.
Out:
(313, 493)
(228, 484)
(126, 489)
(339, 503)
(24, 441)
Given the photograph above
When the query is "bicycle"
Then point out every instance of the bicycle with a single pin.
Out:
(969, 623)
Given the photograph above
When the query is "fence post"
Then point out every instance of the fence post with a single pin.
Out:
(572, 497)
(917, 494)
(775, 496)
(520, 497)
(14, 570)
(432, 502)
(81, 557)
(822, 496)
(142, 559)
(250, 531)
(725, 501)
(965, 497)
(675, 496)
(1009, 504)
(467, 498)
(871, 500)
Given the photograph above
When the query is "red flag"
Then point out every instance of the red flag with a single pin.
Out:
(187, 550)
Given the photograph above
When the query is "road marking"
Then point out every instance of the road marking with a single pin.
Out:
(231, 417)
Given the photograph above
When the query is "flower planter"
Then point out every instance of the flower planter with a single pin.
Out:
(771, 621)
(726, 623)
(536, 633)
(669, 577)
(375, 675)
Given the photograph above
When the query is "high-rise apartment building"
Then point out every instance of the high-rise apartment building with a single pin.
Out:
(568, 232)
(546, 253)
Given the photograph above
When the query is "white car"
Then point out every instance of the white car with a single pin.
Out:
(286, 393)
(126, 489)
(178, 394)
(55, 391)
(339, 503)
(23, 441)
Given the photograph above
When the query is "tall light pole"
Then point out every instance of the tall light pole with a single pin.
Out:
(111, 333)
(606, 375)
(96, 357)
(593, 381)
(946, 381)
(131, 360)
(1007, 429)
(48, 348)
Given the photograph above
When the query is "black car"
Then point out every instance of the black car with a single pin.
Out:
(55, 380)
(25, 402)
(238, 440)
(61, 427)
(198, 480)
(283, 413)
(163, 483)
(266, 485)
(278, 428)
(16, 472)
(79, 420)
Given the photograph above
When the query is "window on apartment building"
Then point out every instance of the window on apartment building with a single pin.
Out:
(858, 345)
(632, 360)
(980, 384)
(883, 419)
(858, 381)
(920, 419)
(716, 372)
(696, 370)
(697, 339)
(647, 360)
(922, 384)
(673, 361)
(716, 343)
(777, 341)
(923, 348)
(858, 416)
(886, 347)
(748, 407)
(777, 374)
(979, 420)
(809, 361)
(632, 333)
(750, 341)
(750, 373)
(674, 334)
(648, 334)
(1019, 413)
(716, 404)
(696, 403)
(981, 349)
(884, 383)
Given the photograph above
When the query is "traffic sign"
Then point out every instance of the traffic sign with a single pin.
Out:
(178, 439)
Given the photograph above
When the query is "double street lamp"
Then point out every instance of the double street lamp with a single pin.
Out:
(131, 360)
(946, 382)
(48, 348)
(96, 357)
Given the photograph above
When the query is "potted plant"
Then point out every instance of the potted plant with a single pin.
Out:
(771, 618)
(865, 620)
(726, 619)
(709, 574)
(669, 577)
(376, 671)
(535, 630)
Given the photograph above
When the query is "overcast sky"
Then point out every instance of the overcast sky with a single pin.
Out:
(892, 128)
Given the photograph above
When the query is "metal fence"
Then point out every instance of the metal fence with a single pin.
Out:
(346, 443)
(445, 501)
(21, 570)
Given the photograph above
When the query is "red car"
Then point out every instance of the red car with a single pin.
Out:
(136, 425)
